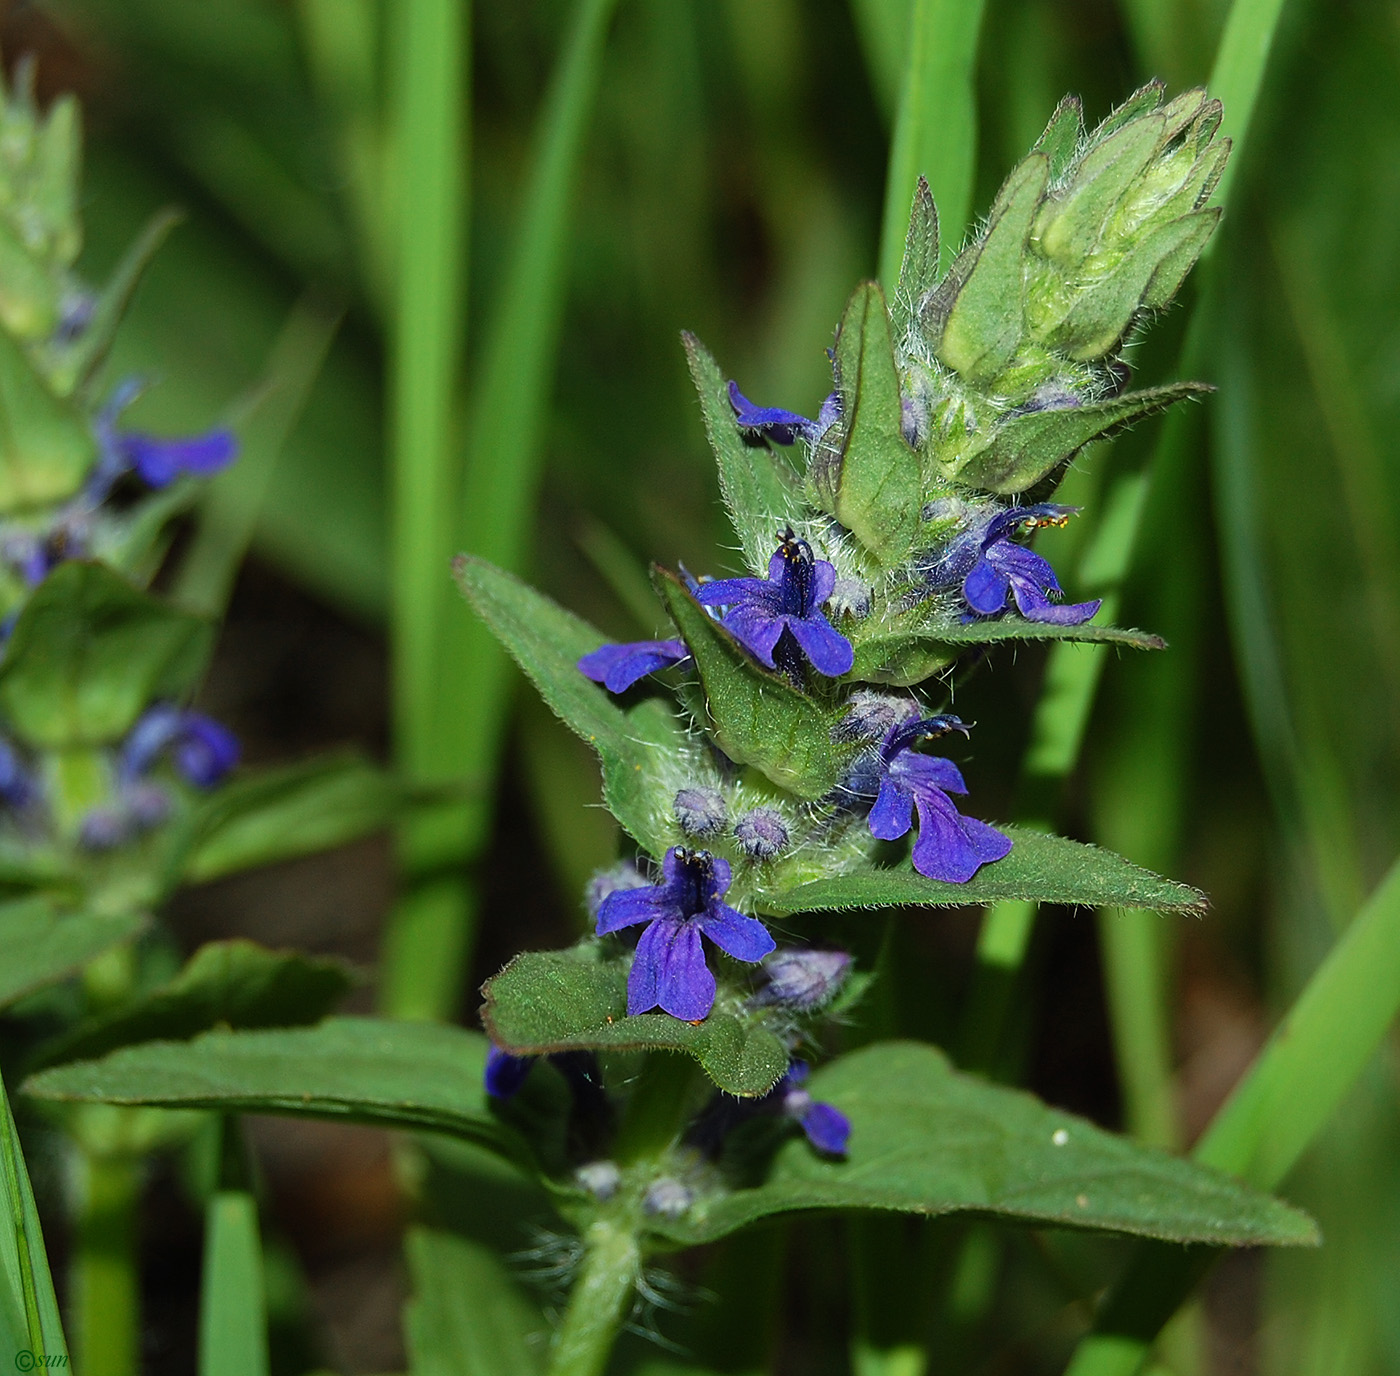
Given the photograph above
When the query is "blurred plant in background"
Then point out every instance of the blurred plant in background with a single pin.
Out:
(722, 167)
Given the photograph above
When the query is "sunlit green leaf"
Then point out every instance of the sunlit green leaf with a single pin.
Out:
(758, 488)
(297, 810)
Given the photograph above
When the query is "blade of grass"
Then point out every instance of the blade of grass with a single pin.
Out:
(464, 692)
(29, 1320)
(430, 117)
(883, 29)
(232, 1310)
(229, 513)
(935, 131)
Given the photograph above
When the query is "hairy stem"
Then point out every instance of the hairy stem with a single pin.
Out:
(600, 1301)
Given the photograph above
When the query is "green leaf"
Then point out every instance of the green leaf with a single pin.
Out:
(918, 273)
(297, 810)
(90, 653)
(873, 484)
(930, 1141)
(1060, 141)
(41, 943)
(982, 327)
(1040, 868)
(396, 1074)
(906, 652)
(468, 1316)
(638, 747)
(756, 715)
(235, 984)
(757, 485)
(29, 1319)
(232, 1303)
(1026, 448)
(46, 445)
(1178, 260)
(547, 1001)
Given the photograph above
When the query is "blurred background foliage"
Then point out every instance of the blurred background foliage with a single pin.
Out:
(731, 181)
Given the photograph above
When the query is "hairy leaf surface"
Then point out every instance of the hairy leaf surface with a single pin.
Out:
(1041, 868)
(927, 1140)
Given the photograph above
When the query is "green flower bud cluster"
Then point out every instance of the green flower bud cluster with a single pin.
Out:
(1012, 361)
(40, 234)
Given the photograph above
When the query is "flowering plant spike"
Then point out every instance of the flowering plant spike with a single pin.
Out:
(793, 737)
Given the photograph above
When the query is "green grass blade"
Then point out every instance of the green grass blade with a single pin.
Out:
(431, 100)
(429, 939)
(229, 513)
(935, 132)
(232, 1307)
(883, 29)
(29, 1320)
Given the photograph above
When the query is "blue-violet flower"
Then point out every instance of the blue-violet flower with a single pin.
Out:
(505, 1073)
(669, 970)
(993, 569)
(203, 751)
(618, 667)
(949, 846)
(778, 425)
(781, 615)
(827, 1128)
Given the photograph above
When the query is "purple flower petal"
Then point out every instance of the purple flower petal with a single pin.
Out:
(985, 588)
(205, 751)
(722, 592)
(669, 971)
(827, 1128)
(893, 813)
(629, 907)
(618, 667)
(780, 426)
(952, 847)
(744, 938)
(829, 651)
(505, 1073)
(1032, 603)
(927, 771)
(158, 462)
(757, 629)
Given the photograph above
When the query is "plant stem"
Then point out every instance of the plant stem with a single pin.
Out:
(106, 1273)
(599, 1302)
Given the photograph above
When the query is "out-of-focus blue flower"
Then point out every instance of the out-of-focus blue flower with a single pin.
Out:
(778, 425)
(669, 969)
(618, 667)
(156, 460)
(994, 570)
(505, 1073)
(827, 1128)
(203, 751)
(17, 786)
(784, 609)
(949, 846)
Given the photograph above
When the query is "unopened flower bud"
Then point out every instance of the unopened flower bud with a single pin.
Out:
(700, 811)
(803, 979)
(667, 1198)
(609, 881)
(599, 1178)
(762, 834)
